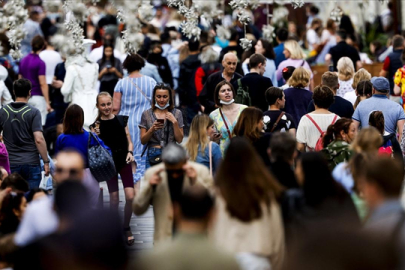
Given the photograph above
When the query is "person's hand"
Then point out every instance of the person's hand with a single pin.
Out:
(129, 158)
(216, 137)
(46, 168)
(48, 107)
(157, 126)
(190, 172)
(112, 69)
(57, 84)
(96, 130)
(171, 118)
(104, 71)
(155, 179)
(182, 45)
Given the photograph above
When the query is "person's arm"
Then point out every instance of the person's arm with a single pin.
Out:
(143, 199)
(397, 89)
(67, 87)
(130, 157)
(301, 147)
(41, 146)
(328, 59)
(400, 128)
(102, 73)
(45, 91)
(292, 131)
(385, 68)
(178, 131)
(117, 102)
(359, 64)
(117, 73)
(356, 124)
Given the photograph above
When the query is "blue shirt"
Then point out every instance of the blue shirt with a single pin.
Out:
(204, 159)
(280, 57)
(392, 112)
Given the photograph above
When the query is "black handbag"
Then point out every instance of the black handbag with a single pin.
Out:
(101, 163)
(156, 160)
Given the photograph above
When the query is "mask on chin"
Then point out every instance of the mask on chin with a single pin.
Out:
(160, 107)
(227, 102)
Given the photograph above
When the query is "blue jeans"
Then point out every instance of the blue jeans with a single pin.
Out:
(31, 173)
(152, 153)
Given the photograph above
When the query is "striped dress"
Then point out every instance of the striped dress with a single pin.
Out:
(133, 104)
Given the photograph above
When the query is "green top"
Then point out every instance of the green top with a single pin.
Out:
(337, 152)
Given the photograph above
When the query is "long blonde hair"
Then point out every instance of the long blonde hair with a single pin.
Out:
(345, 68)
(300, 78)
(360, 75)
(294, 48)
(102, 94)
(198, 135)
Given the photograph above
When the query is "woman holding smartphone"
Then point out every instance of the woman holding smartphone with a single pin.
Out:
(114, 132)
(161, 124)
(110, 70)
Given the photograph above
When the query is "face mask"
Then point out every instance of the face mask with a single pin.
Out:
(160, 107)
(227, 103)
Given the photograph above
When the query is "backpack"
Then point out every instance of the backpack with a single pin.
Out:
(242, 94)
(386, 149)
(319, 142)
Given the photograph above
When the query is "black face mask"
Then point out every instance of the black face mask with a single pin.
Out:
(175, 179)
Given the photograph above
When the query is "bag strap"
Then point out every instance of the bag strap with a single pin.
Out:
(334, 119)
(240, 83)
(139, 89)
(226, 124)
(91, 134)
(210, 156)
(316, 125)
(303, 62)
(278, 120)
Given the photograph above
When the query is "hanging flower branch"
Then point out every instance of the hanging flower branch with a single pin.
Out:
(297, 3)
(268, 32)
(76, 32)
(336, 14)
(208, 9)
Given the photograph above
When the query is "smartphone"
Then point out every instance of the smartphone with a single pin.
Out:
(108, 66)
(160, 121)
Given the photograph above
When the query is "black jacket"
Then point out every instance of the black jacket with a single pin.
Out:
(257, 85)
(186, 90)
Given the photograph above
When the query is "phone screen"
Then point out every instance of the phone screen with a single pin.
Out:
(161, 121)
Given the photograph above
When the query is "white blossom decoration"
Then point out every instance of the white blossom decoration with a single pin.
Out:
(336, 14)
(244, 17)
(145, 12)
(268, 32)
(77, 35)
(297, 3)
(223, 33)
(245, 43)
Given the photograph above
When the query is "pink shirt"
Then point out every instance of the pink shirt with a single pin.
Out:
(294, 63)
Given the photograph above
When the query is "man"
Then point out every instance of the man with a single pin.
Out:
(162, 187)
(255, 82)
(33, 68)
(282, 153)
(281, 37)
(228, 73)
(194, 213)
(40, 218)
(275, 119)
(22, 134)
(342, 49)
(32, 29)
(394, 115)
(392, 63)
(381, 186)
(341, 106)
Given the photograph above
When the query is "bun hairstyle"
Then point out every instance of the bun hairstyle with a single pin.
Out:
(333, 131)
(376, 120)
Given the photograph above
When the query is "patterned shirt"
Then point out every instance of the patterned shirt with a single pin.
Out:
(337, 152)
(344, 87)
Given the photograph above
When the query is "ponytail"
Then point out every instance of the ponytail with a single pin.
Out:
(333, 131)
(329, 135)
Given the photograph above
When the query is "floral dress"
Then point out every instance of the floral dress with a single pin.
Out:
(399, 80)
(221, 127)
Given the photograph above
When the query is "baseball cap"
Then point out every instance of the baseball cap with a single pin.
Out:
(380, 84)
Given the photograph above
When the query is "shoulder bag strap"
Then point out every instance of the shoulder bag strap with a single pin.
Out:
(91, 134)
(226, 124)
(210, 156)
(278, 120)
(139, 89)
(313, 121)
(303, 62)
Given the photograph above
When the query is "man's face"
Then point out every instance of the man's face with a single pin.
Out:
(262, 68)
(229, 63)
(175, 171)
(68, 166)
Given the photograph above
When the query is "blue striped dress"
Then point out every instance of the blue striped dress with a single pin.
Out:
(133, 104)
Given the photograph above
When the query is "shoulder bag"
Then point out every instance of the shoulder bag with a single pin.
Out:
(278, 120)
(101, 163)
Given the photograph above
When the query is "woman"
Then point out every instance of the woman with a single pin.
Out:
(364, 90)
(390, 145)
(155, 58)
(199, 145)
(336, 141)
(345, 69)
(248, 219)
(360, 75)
(113, 130)
(160, 125)
(132, 96)
(226, 116)
(110, 70)
(76, 138)
(320, 200)
(12, 209)
(250, 125)
(297, 98)
(296, 58)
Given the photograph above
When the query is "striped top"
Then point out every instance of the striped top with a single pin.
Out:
(136, 98)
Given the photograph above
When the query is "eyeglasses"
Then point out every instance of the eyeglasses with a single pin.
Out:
(71, 172)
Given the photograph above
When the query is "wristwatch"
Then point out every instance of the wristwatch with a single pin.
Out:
(47, 161)
(132, 153)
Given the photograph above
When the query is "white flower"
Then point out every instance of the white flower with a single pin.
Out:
(297, 3)
(266, 119)
(282, 130)
(223, 33)
(245, 43)
(268, 32)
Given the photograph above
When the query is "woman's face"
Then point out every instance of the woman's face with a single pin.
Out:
(108, 52)
(162, 97)
(260, 125)
(23, 205)
(351, 134)
(299, 173)
(211, 131)
(105, 105)
(286, 53)
(225, 93)
(259, 47)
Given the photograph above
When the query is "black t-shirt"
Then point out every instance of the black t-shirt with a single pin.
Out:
(341, 107)
(343, 49)
(286, 122)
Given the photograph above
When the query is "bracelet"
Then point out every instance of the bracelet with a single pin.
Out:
(47, 161)
(132, 153)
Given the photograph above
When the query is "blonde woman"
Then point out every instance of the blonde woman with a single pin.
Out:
(360, 75)
(202, 131)
(297, 98)
(345, 74)
(296, 58)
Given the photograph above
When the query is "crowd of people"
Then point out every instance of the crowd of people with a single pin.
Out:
(248, 164)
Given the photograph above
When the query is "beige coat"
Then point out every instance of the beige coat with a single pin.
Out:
(161, 201)
(263, 237)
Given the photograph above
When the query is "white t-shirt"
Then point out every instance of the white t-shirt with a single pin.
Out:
(351, 96)
(51, 59)
(308, 133)
(312, 38)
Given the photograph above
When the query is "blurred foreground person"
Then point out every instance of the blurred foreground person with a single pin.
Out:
(190, 247)
(248, 219)
(163, 184)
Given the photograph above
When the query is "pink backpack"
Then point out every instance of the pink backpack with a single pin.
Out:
(319, 142)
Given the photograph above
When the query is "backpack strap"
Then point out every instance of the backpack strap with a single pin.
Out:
(240, 83)
(334, 119)
(278, 120)
(316, 125)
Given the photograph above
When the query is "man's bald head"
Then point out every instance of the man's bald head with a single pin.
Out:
(230, 56)
(229, 63)
(69, 165)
